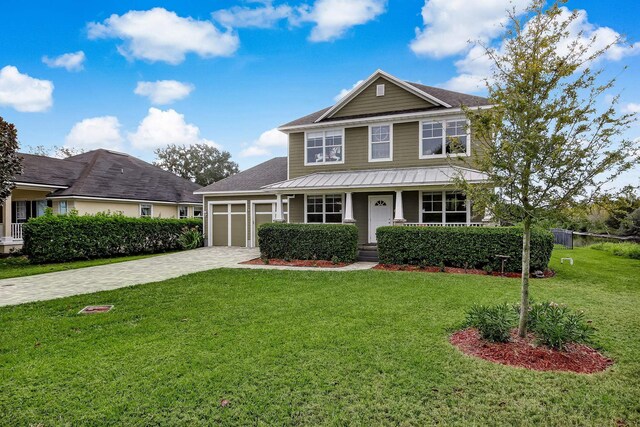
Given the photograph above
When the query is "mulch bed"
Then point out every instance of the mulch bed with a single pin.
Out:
(395, 267)
(523, 353)
(297, 263)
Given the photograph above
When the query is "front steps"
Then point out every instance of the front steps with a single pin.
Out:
(368, 252)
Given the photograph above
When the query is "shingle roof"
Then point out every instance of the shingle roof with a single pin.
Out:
(269, 172)
(432, 175)
(107, 174)
(455, 99)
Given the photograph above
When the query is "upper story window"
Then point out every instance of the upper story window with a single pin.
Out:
(380, 143)
(183, 212)
(324, 147)
(146, 210)
(380, 90)
(444, 137)
(324, 208)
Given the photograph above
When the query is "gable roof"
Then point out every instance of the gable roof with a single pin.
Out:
(440, 100)
(107, 174)
(253, 179)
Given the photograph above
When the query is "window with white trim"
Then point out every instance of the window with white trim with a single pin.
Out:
(146, 210)
(63, 208)
(323, 209)
(380, 142)
(439, 138)
(197, 211)
(324, 147)
(444, 207)
(380, 90)
(183, 212)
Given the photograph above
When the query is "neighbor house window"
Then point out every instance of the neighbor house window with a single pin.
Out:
(380, 143)
(63, 208)
(444, 207)
(21, 211)
(146, 210)
(324, 147)
(439, 138)
(324, 208)
(183, 212)
(197, 212)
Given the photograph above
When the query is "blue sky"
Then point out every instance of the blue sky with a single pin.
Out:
(239, 69)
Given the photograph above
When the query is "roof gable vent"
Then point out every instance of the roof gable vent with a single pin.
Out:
(380, 90)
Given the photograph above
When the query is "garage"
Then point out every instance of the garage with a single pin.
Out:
(263, 213)
(228, 224)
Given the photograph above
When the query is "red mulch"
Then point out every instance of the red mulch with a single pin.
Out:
(523, 353)
(297, 263)
(454, 270)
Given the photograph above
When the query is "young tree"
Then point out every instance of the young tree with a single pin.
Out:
(546, 143)
(10, 161)
(200, 163)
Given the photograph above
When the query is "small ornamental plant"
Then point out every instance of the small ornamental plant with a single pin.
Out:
(494, 323)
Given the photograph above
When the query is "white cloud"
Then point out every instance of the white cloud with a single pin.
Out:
(333, 18)
(631, 108)
(23, 92)
(160, 35)
(451, 24)
(476, 66)
(267, 141)
(164, 91)
(266, 16)
(69, 61)
(345, 92)
(160, 128)
(95, 132)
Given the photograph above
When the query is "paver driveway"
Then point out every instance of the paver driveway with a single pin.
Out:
(60, 284)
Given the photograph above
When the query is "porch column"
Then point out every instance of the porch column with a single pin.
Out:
(399, 218)
(279, 209)
(6, 219)
(348, 209)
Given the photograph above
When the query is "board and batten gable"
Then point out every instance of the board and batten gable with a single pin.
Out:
(406, 150)
(395, 98)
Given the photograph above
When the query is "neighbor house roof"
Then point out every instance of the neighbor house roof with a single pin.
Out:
(444, 100)
(107, 174)
(378, 178)
(253, 179)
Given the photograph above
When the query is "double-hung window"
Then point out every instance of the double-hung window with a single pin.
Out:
(197, 211)
(380, 143)
(324, 147)
(445, 137)
(146, 210)
(63, 208)
(324, 208)
(444, 207)
(183, 212)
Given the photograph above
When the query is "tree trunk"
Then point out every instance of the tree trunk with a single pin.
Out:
(526, 262)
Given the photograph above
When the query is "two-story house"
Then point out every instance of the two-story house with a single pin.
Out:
(384, 154)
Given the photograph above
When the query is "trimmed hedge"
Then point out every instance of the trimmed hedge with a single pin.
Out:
(331, 242)
(464, 247)
(61, 238)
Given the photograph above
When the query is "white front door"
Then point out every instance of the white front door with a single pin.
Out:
(380, 214)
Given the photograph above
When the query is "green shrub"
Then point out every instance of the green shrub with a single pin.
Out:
(331, 242)
(555, 325)
(463, 247)
(494, 323)
(625, 249)
(61, 238)
(191, 238)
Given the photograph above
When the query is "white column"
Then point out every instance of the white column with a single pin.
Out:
(6, 218)
(348, 209)
(279, 208)
(399, 218)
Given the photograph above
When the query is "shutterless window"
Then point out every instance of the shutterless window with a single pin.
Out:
(432, 207)
(324, 208)
(325, 147)
(197, 212)
(62, 208)
(380, 142)
(380, 90)
(145, 210)
(445, 137)
(183, 212)
(444, 207)
(456, 207)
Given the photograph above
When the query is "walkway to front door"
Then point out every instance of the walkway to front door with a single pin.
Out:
(380, 213)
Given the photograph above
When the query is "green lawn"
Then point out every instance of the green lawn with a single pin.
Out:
(20, 266)
(312, 348)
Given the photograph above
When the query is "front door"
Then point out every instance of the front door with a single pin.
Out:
(380, 214)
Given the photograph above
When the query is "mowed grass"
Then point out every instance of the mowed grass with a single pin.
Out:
(20, 266)
(312, 348)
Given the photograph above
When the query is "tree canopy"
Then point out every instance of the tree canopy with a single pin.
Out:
(201, 163)
(10, 161)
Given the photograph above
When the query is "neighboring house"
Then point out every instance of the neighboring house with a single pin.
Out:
(381, 155)
(92, 182)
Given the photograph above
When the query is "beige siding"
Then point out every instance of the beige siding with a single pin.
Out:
(394, 99)
(19, 194)
(406, 145)
(132, 209)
